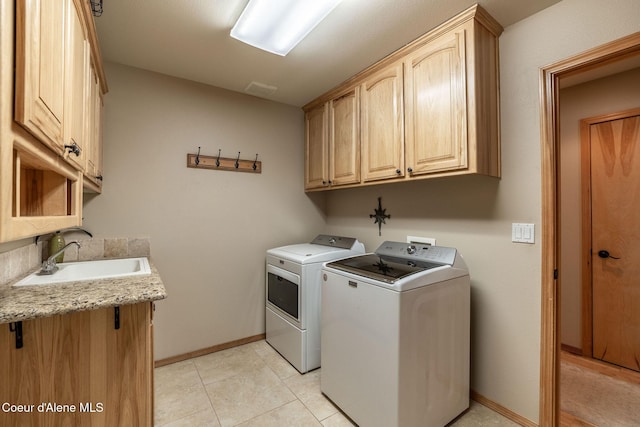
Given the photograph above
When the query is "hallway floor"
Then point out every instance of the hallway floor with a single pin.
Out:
(252, 385)
(600, 394)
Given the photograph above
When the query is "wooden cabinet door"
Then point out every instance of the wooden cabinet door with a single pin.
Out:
(344, 139)
(97, 141)
(93, 130)
(80, 359)
(436, 105)
(40, 70)
(129, 367)
(316, 167)
(77, 57)
(382, 125)
(52, 368)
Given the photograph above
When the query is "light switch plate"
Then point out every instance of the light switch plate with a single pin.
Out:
(522, 233)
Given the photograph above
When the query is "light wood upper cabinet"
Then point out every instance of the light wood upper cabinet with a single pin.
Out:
(344, 139)
(382, 125)
(316, 148)
(46, 47)
(94, 108)
(436, 105)
(332, 142)
(451, 91)
(40, 68)
(431, 108)
(77, 63)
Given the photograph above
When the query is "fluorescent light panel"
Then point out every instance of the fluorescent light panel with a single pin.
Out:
(277, 26)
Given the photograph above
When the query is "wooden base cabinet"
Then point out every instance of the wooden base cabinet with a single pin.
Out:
(429, 109)
(78, 369)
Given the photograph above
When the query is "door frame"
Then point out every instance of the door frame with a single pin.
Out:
(550, 77)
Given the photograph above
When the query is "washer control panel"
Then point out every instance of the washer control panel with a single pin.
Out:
(417, 252)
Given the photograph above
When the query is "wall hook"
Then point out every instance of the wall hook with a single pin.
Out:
(235, 164)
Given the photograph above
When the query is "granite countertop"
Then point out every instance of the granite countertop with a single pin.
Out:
(30, 302)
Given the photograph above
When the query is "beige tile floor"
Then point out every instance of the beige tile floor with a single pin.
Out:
(253, 386)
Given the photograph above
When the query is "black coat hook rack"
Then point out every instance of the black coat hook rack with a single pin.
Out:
(236, 164)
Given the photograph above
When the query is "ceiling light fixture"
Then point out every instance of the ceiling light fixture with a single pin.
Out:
(277, 26)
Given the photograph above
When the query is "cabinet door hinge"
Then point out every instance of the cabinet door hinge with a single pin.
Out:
(17, 328)
(116, 316)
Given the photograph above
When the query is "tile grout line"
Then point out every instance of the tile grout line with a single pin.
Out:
(204, 389)
(282, 380)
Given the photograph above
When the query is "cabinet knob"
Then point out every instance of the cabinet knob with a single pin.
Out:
(409, 169)
(398, 171)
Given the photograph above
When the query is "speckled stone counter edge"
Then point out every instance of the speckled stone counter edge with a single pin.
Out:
(31, 302)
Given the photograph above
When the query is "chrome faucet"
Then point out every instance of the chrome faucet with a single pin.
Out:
(49, 266)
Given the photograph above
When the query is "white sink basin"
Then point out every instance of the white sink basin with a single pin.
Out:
(90, 270)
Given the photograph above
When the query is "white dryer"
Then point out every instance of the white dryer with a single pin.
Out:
(395, 335)
(293, 296)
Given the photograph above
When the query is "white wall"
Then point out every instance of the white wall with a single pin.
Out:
(209, 229)
(475, 214)
(603, 96)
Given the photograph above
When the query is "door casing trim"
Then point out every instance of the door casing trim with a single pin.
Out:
(550, 77)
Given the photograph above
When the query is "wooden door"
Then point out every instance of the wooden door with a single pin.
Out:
(436, 105)
(614, 160)
(344, 139)
(316, 167)
(383, 125)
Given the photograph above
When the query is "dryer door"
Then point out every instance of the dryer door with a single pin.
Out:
(284, 294)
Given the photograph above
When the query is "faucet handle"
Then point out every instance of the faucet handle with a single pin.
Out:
(48, 267)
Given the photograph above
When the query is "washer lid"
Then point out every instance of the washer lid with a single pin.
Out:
(385, 269)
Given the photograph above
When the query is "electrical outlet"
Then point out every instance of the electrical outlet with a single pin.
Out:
(422, 240)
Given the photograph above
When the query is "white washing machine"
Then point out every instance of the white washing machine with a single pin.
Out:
(293, 296)
(395, 335)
